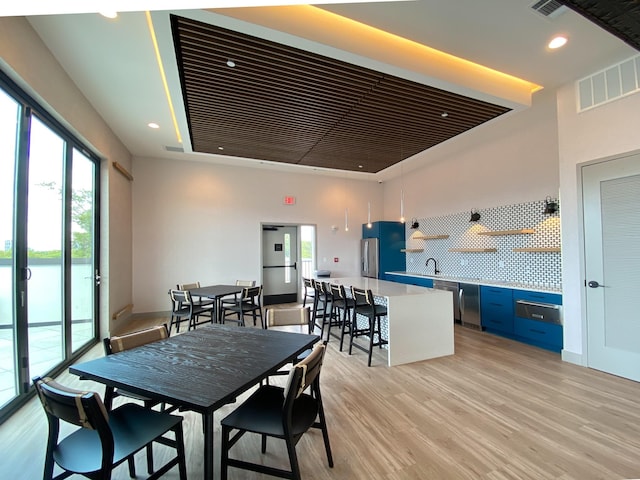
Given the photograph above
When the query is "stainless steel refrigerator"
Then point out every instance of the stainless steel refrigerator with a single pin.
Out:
(369, 251)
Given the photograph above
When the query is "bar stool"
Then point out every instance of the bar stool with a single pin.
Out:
(366, 306)
(309, 291)
(321, 305)
(344, 304)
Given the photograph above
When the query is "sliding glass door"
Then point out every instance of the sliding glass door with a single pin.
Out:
(48, 227)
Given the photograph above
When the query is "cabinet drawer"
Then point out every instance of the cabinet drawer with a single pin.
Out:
(496, 294)
(497, 319)
(540, 297)
(540, 332)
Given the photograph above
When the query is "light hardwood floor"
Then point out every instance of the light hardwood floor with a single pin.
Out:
(495, 410)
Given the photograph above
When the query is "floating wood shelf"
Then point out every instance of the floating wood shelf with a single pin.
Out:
(430, 237)
(508, 232)
(537, 249)
(473, 250)
(412, 250)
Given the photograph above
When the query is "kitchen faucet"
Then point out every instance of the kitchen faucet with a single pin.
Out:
(435, 265)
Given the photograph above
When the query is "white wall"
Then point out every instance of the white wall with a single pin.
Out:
(605, 131)
(198, 221)
(512, 159)
(26, 59)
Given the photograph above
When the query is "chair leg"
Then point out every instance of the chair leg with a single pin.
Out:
(346, 315)
(293, 459)
(372, 329)
(132, 466)
(149, 447)
(263, 446)
(325, 432)
(182, 461)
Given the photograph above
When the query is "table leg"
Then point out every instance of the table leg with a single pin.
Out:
(207, 420)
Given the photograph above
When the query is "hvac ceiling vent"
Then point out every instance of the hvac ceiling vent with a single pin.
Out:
(169, 148)
(549, 8)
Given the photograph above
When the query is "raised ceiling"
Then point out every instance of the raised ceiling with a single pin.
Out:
(619, 17)
(282, 104)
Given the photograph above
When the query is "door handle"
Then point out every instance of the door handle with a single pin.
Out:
(594, 284)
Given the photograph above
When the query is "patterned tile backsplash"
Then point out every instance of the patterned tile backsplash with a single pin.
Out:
(535, 268)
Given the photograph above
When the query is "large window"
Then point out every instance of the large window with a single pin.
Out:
(48, 230)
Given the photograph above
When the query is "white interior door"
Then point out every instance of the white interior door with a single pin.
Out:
(611, 200)
(280, 264)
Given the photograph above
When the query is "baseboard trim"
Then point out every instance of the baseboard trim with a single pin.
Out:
(573, 357)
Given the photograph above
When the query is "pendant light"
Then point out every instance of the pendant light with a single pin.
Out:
(369, 215)
(346, 219)
(402, 206)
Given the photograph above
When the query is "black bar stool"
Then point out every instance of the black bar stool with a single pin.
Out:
(366, 306)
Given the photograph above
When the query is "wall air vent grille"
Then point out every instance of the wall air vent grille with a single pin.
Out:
(549, 8)
(609, 84)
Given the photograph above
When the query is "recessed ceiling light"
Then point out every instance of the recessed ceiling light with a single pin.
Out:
(220, 148)
(557, 42)
(153, 125)
(444, 114)
(107, 14)
(231, 63)
(360, 166)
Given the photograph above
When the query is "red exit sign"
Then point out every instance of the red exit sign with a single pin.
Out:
(289, 200)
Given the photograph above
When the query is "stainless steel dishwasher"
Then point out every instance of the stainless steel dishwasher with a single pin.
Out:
(453, 288)
(469, 300)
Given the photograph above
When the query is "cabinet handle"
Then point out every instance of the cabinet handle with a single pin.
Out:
(496, 304)
(541, 332)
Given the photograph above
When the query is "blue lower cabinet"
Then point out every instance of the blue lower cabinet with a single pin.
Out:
(496, 309)
(422, 282)
(539, 334)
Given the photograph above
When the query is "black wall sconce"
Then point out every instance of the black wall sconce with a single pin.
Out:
(551, 206)
(414, 223)
(475, 216)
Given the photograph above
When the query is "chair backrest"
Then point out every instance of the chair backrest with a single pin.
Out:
(304, 374)
(188, 286)
(252, 293)
(180, 297)
(120, 343)
(360, 295)
(307, 282)
(335, 291)
(278, 317)
(82, 408)
(245, 283)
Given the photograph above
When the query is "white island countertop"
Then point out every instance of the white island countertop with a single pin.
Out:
(420, 320)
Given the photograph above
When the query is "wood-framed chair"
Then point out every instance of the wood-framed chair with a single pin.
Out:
(105, 439)
(322, 305)
(284, 413)
(120, 343)
(201, 302)
(365, 305)
(309, 291)
(184, 309)
(232, 299)
(342, 311)
(275, 317)
(248, 303)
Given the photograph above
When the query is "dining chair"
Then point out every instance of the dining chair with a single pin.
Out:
(365, 305)
(183, 309)
(232, 299)
(202, 302)
(299, 317)
(248, 303)
(286, 413)
(120, 343)
(104, 439)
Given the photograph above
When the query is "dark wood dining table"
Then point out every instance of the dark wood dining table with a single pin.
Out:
(200, 370)
(216, 293)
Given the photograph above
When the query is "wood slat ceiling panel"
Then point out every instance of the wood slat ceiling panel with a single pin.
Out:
(283, 104)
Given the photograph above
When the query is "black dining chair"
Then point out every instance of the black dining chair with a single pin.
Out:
(248, 303)
(286, 413)
(104, 439)
(184, 309)
(120, 343)
(366, 306)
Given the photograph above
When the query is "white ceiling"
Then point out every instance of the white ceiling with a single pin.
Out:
(114, 64)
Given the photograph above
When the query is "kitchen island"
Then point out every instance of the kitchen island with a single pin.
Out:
(419, 322)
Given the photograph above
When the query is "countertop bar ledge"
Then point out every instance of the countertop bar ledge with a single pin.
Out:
(420, 319)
